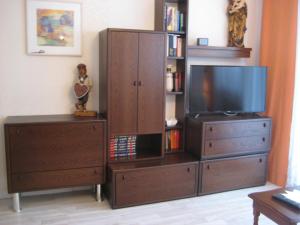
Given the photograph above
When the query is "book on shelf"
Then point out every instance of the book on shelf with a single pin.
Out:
(173, 18)
(172, 140)
(122, 146)
(175, 45)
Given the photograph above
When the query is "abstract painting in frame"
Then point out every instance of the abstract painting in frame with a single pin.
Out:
(53, 28)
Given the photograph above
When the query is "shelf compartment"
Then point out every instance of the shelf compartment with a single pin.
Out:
(218, 52)
(147, 147)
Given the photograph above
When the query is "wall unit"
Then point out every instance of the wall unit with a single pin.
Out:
(179, 63)
(232, 151)
(45, 152)
(132, 63)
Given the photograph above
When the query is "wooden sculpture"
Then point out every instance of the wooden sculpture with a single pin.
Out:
(82, 89)
(237, 15)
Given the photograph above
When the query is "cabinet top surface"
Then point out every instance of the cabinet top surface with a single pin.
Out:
(169, 159)
(63, 118)
(134, 30)
(217, 118)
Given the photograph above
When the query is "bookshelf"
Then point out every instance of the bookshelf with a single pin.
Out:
(175, 99)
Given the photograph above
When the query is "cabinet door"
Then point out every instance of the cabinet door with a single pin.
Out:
(151, 83)
(155, 184)
(123, 82)
(233, 173)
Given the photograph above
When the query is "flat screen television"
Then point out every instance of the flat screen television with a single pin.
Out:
(227, 89)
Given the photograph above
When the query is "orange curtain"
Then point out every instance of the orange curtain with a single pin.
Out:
(278, 52)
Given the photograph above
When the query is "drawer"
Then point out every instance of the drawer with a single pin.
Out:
(219, 130)
(236, 146)
(56, 179)
(44, 147)
(155, 184)
(232, 173)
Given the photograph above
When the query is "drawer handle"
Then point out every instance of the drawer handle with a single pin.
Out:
(263, 139)
(210, 144)
(18, 131)
(188, 169)
(260, 160)
(94, 127)
(211, 129)
(95, 172)
(208, 167)
(123, 177)
(134, 83)
(264, 124)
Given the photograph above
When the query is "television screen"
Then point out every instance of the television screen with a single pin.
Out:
(227, 89)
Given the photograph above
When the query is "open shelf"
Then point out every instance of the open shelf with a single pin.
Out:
(174, 151)
(174, 57)
(218, 52)
(174, 92)
(148, 146)
(176, 127)
(176, 32)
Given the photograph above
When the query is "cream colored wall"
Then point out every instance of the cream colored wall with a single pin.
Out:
(31, 85)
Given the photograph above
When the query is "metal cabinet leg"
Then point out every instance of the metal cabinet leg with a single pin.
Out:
(98, 193)
(16, 202)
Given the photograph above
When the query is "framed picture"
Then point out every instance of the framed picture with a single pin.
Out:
(53, 28)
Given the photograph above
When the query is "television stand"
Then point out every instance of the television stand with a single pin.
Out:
(232, 150)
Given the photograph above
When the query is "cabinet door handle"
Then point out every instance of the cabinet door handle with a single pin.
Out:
(210, 144)
(134, 83)
(208, 167)
(260, 160)
(264, 125)
(140, 83)
(95, 172)
(188, 169)
(211, 129)
(263, 139)
(123, 177)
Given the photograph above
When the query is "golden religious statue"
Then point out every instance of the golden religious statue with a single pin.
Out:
(237, 14)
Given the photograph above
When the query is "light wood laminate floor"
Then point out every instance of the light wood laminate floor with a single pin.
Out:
(228, 208)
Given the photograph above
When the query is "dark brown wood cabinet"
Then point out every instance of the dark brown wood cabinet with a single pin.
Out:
(232, 151)
(217, 136)
(133, 71)
(137, 183)
(232, 173)
(45, 152)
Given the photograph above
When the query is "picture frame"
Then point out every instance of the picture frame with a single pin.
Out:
(53, 28)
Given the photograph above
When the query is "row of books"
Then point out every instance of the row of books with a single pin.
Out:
(175, 45)
(178, 84)
(174, 19)
(122, 146)
(173, 140)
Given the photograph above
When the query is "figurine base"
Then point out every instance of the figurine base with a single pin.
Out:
(85, 113)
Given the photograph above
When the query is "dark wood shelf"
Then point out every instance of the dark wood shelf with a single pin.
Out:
(218, 52)
(176, 127)
(176, 32)
(169, 159)
(138, 157)
(174, 92)
(175, 57)
(174, 151)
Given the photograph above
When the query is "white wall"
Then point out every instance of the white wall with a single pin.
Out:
(31, 85)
